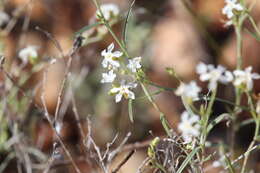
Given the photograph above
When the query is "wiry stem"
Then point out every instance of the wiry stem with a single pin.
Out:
(257, 127)
(122, 47)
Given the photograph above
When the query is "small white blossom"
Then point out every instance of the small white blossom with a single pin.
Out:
(111, 59)
(189, 91)
(245, 78)
(28, 53)
(109, 11)
(108, 77)
(231, 6)
(213, 75)
(189, 126)
(134, 64)
(227, 77)
(123, 90)
(3, 18)
(201, 68)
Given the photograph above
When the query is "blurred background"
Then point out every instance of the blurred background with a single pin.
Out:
(166, 33)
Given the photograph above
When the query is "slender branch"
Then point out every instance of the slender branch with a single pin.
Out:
(129, 155)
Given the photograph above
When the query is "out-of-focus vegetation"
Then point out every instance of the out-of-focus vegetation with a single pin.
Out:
(51, 102)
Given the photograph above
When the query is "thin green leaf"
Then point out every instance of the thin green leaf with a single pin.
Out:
(246, 122)
(187, 160)
(187, 106)
(130, 110)
(126, 22)
(165, 124)
(173, 73)
(216, 121)
(85, 28)
(5, 162)
(256, 36)
(229, 164)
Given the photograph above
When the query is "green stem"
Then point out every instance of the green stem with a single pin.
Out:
(106, 23)
(238, 30)
(163, 119)
(254, 25)
(257, 127)
(205, 119)
(239, 46)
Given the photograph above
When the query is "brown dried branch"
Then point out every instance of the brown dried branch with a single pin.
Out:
(129, 155)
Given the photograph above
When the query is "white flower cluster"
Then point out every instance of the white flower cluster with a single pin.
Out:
(189, 91)
(213, 75)
(189, 126)
(28, 53)
(244, 79)
(112, 62)
(241, 78)
(109, 11)
(229, 9)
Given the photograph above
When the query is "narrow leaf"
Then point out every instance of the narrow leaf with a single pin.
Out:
(256, 36)
(246, 122)
(126, 22)
(85, 28)
(229, 164)
(216, 121)
(130, 110)
(187, 160)
(187, 106)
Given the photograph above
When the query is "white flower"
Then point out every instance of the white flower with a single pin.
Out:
(123, 90)
(111, 58)
(109, 11)
(3, 18)
(189, 91)
(134, 64)
(213, 75)
(201, 68)
(189, 126)
(227, 77)
(28, 53)
(245, 78)
(108, 77)
(231, 5)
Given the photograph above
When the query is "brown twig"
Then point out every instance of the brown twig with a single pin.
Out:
(129, 155)
(52, 38)
(46, 113)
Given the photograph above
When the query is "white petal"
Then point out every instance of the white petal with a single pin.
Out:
(255, 76)
(117, 54)
(201, 68)
(110, 47)
(118, 97)
(238, 72)
(104, 53)
(104, 63)
(205, 77)
(131, 95)
(115, 90)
